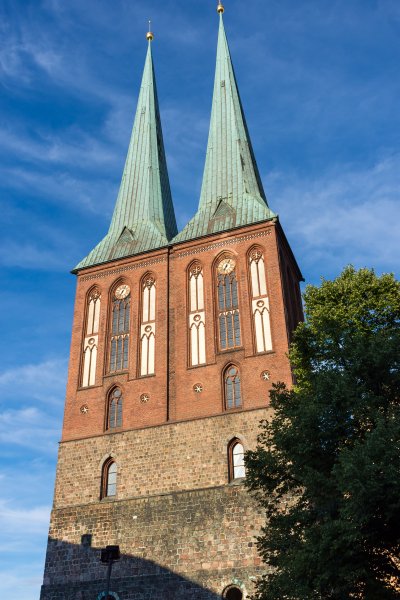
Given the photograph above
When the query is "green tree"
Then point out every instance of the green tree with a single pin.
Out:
(327, 466)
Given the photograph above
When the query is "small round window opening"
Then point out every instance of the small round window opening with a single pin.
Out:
(233, 593)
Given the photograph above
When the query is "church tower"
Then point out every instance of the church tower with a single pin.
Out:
(176, 340)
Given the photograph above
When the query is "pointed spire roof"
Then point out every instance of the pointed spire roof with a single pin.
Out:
(232, 193)
(144, 217)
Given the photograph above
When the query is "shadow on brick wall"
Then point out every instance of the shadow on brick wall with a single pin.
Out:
(74, 572)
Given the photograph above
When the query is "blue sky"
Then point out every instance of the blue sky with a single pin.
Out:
(320, 86)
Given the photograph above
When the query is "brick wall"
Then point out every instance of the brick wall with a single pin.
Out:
(184, 531)
(170, 390)
(156, 460)
(197, 542)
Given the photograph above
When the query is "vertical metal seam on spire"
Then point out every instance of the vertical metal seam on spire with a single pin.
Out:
(144, 203)
(230, 171)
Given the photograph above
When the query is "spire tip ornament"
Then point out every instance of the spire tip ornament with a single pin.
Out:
(220, 8)
(150, 34)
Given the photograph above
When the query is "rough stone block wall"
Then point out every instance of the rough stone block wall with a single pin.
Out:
(179, 545)
(181, 526)
(156, 460)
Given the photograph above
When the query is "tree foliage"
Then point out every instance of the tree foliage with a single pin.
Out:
(327, 467)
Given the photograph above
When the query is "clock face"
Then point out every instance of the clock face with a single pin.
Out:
(226, 266)
(122, 292)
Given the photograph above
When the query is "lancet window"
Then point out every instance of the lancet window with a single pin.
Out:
(228, 305)
(109, 479)
(260, 302)
(236, 460)
(91, 340)
(233, 391)
(148, 326)
(120, 326)
(197, 317)
(115, 404)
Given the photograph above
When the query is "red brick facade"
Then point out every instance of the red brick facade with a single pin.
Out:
(171, 390)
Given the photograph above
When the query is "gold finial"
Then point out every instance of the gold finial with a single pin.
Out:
(220, 8)
(150, 35)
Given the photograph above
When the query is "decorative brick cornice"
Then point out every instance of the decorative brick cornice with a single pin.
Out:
(235, 240)
(192, 251)
(140, 265)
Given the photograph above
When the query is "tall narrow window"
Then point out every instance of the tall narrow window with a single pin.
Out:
(120, 324)
(114, 414)
(260, 302)
(148, 327)
(236, 460)
(228, 305)
(109, 479)
(233, 393)
(197, 316)
(91, 341)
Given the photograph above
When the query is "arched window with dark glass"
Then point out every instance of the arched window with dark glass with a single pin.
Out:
(120, 325)
(109, 479)
(233, 391)
(115, 402)
(232, 593)
(228, 304)
(236, 460)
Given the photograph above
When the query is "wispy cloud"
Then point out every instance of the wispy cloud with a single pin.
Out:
(61, 188)
(23, 521)
(22, 584)
(29, 428)
(344, 216)
(29, 256)
(43, 381)
(73, 147)
(32, 398)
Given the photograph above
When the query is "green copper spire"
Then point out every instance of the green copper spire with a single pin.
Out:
(232, 194)
(144, 216)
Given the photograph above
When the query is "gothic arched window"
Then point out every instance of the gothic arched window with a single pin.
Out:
(120, 325)
(148, 326)
(236, 460)
(109, 479)
(260, 302)
(233, 392)
(228, 304)
(114, 414)
(90, 344)
(232, 593)
(197, 317)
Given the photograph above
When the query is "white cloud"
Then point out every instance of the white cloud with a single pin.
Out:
(43, 383)
(17, 584)
(25, 521)
(37, 391)
(76, 148)
(29, 428)
(348, 215)
(91, 195)
(29, 256)
(36, 378)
